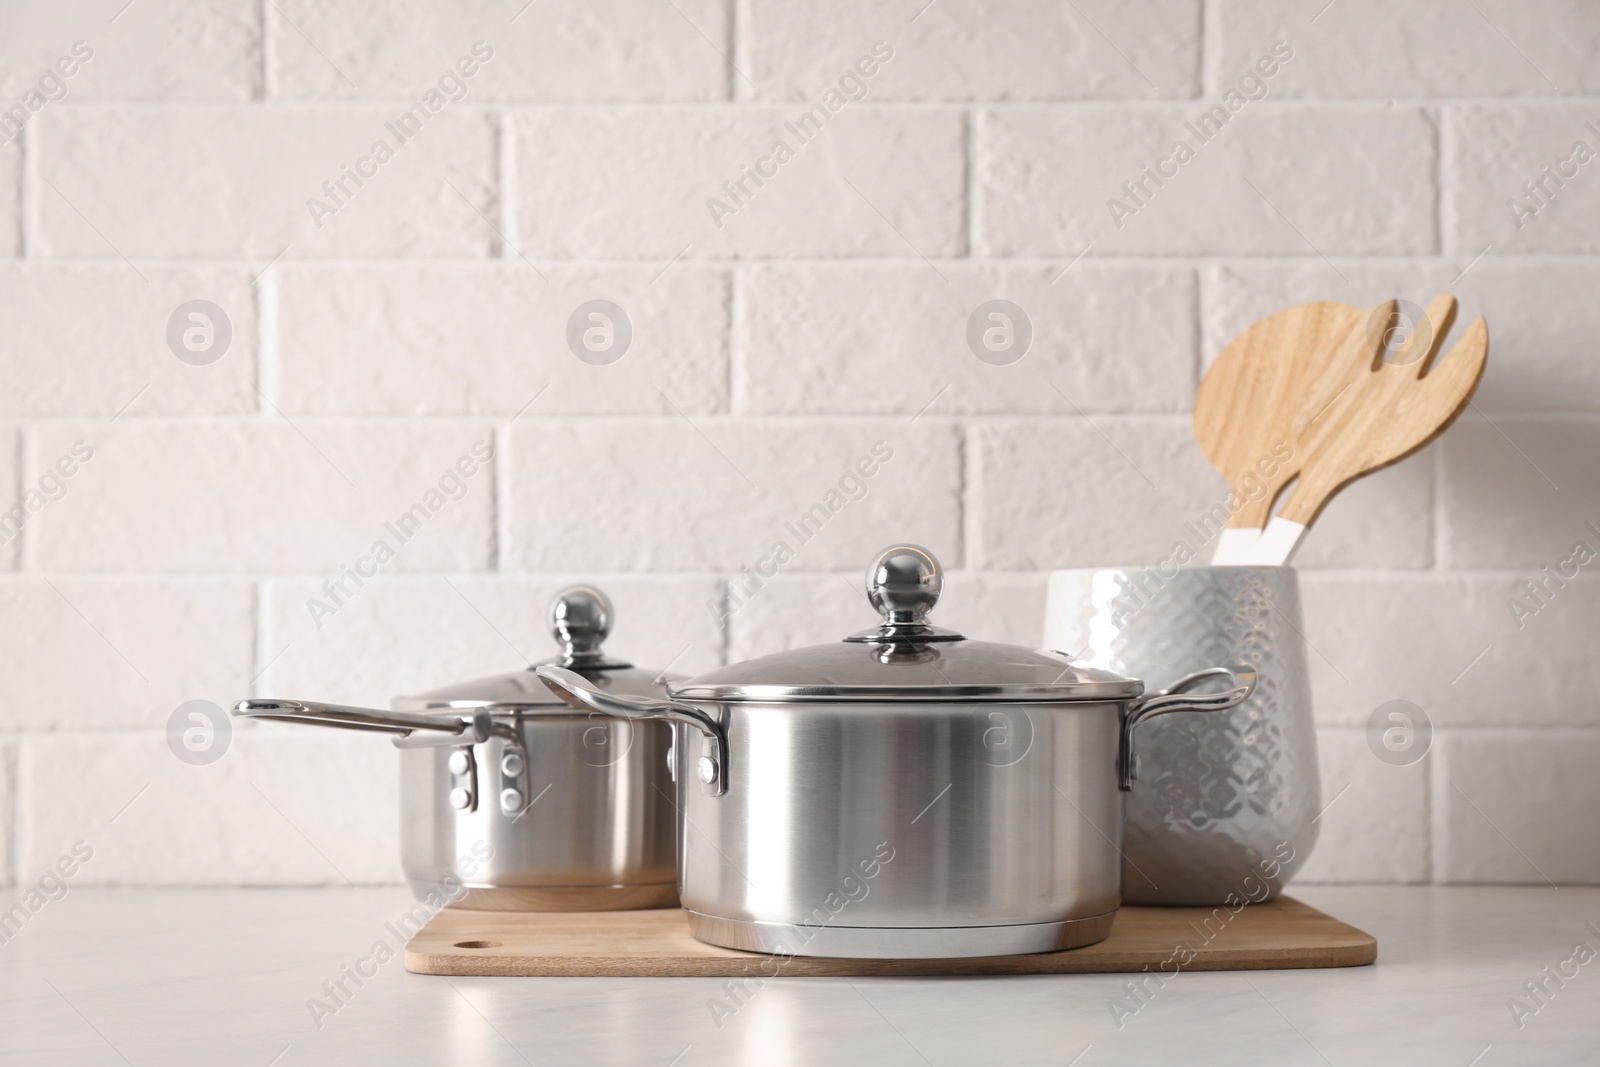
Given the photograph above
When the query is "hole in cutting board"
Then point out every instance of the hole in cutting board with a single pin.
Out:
(479, 944)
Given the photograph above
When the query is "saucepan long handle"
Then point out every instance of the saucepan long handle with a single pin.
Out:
(409, 729)
(1178, 697)
(576, 690)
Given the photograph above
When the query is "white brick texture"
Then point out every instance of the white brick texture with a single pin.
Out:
(485, 339)
(166, 50)
(604, 495)
(17, 512)
(1374, 49)
(1518, 492)
(103, 329)
(120, 654)
(220, 182)
(1505, 804)
(1032, 50)
(1375, 828)
(1420, 638)
(610, 50)
(895, 339)
(10, 196)
(785, 309)
(639, 183)
(1526, 184)
(281, 807)
(268, 494)
(1052, 181)
(8, 797)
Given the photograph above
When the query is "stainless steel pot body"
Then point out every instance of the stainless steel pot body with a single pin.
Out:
(511, 800)
(903, 828)
(523, 809)
(906, 829)
(568, 813)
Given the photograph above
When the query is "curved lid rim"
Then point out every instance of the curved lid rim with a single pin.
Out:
(522, 689)
(955, 672)
(1060, 693)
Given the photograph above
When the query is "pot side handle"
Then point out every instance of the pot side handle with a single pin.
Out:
(1177, 697)
(409, 729)
(576, 690)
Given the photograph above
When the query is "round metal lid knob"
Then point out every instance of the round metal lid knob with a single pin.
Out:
(580, 618)
(904, 583)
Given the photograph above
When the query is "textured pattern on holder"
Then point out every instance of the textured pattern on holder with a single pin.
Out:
(1221, 799)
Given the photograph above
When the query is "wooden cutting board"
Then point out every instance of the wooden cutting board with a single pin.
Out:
(1278, 934)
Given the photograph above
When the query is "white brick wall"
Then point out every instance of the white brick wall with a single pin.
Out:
(485, 338)
(633, 182)
(1277, 180)
(768, 353)
(874, 338)
(99, 329)
(233, 182)
(175, 50)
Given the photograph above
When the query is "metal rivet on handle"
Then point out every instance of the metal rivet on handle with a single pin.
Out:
(706, 768)
(460, 799)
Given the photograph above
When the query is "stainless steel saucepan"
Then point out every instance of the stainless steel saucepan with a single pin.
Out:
(906, 792)
(510, 800)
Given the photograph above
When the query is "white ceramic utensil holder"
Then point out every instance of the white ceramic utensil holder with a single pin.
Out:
(1225, 803)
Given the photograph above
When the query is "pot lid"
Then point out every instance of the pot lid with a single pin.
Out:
(907, 658)
(580, 620)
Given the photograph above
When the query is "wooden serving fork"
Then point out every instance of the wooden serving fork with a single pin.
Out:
(1362, 411)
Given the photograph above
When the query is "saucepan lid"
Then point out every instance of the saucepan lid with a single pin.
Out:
(580, 620)
(905, 658)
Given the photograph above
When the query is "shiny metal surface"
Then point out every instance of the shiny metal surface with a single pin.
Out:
(846, 671)
(573, 688)
(512, 800)
(909, 815)
(897, 815)
(580, 618)
(580, 621)
(903, 584)
(1179, 696)
(422, 729)
(899, 943)
(995, 821)
(594, 827)
(905, 658)
(517, 690)
(1223, 799)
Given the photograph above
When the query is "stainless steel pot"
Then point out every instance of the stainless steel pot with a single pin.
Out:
(904, 793)
(510, 800)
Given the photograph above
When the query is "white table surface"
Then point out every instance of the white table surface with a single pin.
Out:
(152, 976)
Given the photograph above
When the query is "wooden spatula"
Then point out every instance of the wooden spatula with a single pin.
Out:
(1386, 409)
(1244, 411)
